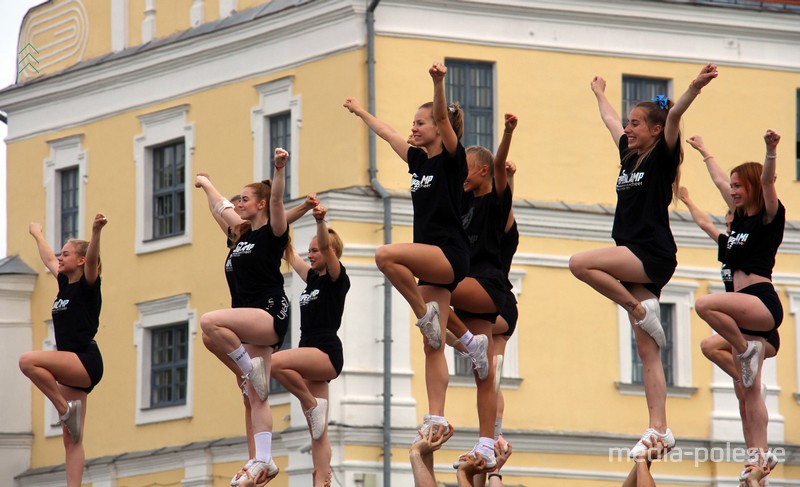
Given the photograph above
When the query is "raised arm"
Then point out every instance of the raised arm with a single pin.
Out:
(672, 128)
(718, 175)
(607, 113)
(217, 217)
(47, 255)
(91, 268)
(449, 137)
(511, 169)
(699, 216)
(324, 242)
(381, 129)
(768, 175)
(298, 211)
(217, 203)
(277, 213)
(500, 175)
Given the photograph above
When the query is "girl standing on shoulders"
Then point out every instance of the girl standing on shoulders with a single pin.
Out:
(67, 376)
(306, 371)
(250, 332)
(633, 273)
(750, 314)
(439, 256)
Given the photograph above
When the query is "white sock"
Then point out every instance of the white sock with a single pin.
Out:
(486, 445)
(467, 340)
(498, 427)
(437, 419)
(263, 446)
(242, 360)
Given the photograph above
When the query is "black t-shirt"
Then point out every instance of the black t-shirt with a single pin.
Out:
(256, 264)
(752, 245)
(727, 275)
(437, 186)
(322, 305)
(643, 198)
(76, 313)
(508, 247)
(484, 219)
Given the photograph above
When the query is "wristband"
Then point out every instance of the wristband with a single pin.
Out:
(773, 156)
(496, 475)
(220, 207)
(706, 158)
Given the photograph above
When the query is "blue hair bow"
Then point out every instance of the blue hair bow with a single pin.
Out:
(661, 100)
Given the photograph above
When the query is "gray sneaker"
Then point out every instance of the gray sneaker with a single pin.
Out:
(258, 378)
(651, 323)
(72, 419)
(253, 468)
(749, 360)
(490, 459)
(430, 327)
(317, 418)
(480, 357)
(427, 424)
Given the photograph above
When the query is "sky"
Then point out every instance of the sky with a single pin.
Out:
(11, 13)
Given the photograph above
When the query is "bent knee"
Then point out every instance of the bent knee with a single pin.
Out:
(578, 266)
(708, 347)
(704, 305)
(383, 257)
(207, 325)
(27, 362)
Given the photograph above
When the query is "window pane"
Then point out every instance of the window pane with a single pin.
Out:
(68, 180)
(471, 85)
(169, 202)
(280, 135)
(169, 365)
(636, 89)
(463, 365)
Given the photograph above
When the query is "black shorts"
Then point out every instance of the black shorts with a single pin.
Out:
(278, 308)
(93, 363)
(510, 313)
(459, 261)
(774, 339)
(330, 345)
(765, 292)
(659, 269)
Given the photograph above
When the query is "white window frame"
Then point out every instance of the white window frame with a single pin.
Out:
(275, 98)
(159, 128)
(681, 295)
(51, 418)
(510, 378)
(793, 294)
(64, 154)
(154, 314)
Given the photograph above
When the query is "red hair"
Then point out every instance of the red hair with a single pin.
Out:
(750, 176)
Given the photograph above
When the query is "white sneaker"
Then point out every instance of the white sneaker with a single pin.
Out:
(768, 459)
(427, 424)
(317, 418)
(651, 323)
(254, 468)
(480, 357)
(430, 327)
(640, 447)
(72, 419)
(490, 459)
(749, 360)
(258, 378)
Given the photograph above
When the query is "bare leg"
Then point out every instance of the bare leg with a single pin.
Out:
(261, 414)
(48, 369)
(402, 262)
(603, 269)
(756, 415)
(725, 312)
(321, 448)
(294, 368)
(718, 351)
(436, 374)
(75, 458)
(655, 384)
(487, 400)
(248, 421)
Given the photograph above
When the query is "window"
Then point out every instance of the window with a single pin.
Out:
(471, 85)
(164, 359)
(170, 350)
(280, 135)
(169, 207)
(271, 123)
(163, 156)
(636, 89)
(64, 173)
(637, 376)
(677, 299)
(69, 204)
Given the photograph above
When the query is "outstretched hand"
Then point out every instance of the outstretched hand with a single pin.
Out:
(434, 440)
(502, 450)
(656, 449)
(708, 73)
(696, 142)
(281, 156)
(473, 464)
(771, 138)
(683, 193)
(352, 105)
(319, 212)
(201, 180)
(510, 122)
(511, 169)
(598, 85)
(311, 200)
(437, 71)
(100, 221)
(35, 229)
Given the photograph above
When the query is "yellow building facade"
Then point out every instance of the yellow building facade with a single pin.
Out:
(125, 89)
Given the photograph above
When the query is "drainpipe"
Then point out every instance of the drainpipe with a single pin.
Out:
(387, 238)
(3, 118)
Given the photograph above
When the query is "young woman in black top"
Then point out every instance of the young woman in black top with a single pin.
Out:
(67, 376)
(439, 256)
(633, 273)
(305, 371)
(747, 316)
(250, 332)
